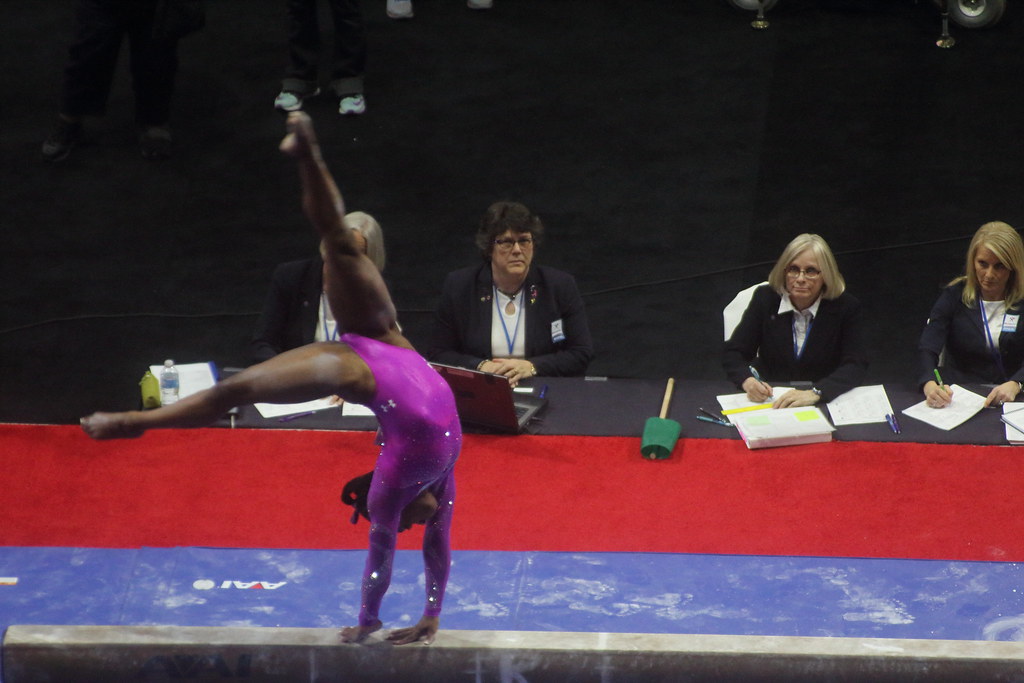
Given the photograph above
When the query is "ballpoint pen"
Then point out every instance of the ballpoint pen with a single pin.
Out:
(296, 416)
(702, 418)
(715, 418)
(893, 424)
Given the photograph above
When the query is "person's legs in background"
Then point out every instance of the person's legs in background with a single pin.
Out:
(300, 81)
(348, 61)
(154, 66)
(92, 58)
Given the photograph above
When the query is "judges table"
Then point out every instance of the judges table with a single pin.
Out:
(620, 407)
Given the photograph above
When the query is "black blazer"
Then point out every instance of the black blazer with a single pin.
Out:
(462, 326)
(291, 310)
(833, 357)
(958, 329)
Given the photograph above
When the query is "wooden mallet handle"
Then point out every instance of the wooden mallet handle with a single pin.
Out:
(668, 397)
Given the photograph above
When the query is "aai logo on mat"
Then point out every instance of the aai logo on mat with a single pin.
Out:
(208, 585)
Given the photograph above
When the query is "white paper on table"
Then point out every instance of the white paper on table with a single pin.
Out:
(1013, 419)
(860, 405)
(783, 427)
(355, 410)
(965, 405)
(269, 410)
(733, 401)
(192, 377)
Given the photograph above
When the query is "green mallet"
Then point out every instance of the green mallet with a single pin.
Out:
(661, 434)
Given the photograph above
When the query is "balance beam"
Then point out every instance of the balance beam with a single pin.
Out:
(99, 654)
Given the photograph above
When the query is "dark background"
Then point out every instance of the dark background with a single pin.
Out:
(670, 149)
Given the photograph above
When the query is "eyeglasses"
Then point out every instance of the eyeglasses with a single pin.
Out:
(812, 273)
(505, 243)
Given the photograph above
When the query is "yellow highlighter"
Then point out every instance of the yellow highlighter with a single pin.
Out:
(746, 409)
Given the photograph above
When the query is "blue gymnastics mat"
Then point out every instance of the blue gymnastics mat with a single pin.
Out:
(520, 591)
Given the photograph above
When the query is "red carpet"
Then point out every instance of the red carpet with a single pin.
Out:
(279, 489)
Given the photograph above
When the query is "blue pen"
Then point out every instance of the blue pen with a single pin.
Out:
(543, 391)
(296, 416)
(756, 375)
(715, 418)
(893, 425)
(708, 419)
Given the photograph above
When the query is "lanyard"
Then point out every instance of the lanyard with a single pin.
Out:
(991, 343)
(328, 335)
(510, 340)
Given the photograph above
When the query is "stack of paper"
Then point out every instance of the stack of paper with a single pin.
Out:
(1013, 419)
(783, 427)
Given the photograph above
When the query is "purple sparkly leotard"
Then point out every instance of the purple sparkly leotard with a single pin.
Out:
(422, 438)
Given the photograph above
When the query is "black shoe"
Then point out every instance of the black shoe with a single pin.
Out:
(62, 140)
(155, 143)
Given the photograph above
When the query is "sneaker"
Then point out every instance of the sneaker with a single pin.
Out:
(289, 100)
(62, 140)
(479, 4)
(155, 143)
(352, 104)
(400, 9)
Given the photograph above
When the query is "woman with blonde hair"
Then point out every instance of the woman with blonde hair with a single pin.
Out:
(295, 311)
(803, 326)
(974, 327)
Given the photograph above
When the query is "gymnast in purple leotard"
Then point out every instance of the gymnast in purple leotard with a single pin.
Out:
(374, 365)
(421, 436)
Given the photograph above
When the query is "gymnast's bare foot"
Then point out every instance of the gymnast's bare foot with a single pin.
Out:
(300, 141)
(357, 634)
(110, 426)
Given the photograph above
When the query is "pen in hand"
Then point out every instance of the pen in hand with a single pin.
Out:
(757, 376)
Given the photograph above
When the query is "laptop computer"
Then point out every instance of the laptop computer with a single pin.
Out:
(487, 400)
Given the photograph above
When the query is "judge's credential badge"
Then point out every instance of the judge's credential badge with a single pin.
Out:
(556, 331)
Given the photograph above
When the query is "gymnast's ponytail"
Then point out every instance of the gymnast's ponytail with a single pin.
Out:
(355, 494)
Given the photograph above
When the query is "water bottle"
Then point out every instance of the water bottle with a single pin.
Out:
(168, 383)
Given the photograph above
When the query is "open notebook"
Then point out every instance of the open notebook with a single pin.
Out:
(487, 400)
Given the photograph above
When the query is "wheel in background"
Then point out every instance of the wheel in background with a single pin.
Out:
(752, 5)
(976, 13)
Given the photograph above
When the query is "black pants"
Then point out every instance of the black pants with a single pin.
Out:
(348, 58)
(101, 26)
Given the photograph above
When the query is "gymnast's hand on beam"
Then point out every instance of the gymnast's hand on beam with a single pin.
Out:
(424, 631)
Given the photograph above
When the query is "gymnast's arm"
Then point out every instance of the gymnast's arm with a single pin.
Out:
(355, 289)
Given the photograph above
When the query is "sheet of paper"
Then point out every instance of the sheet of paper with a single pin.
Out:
(1014, 413)
(355, 410)
(192, 377)
(860, 405)
(269, 410)
(965, 405)
(733, 401)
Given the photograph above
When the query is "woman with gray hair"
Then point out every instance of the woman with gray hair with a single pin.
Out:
(974, 325)
(295, 312)
(803, 326)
